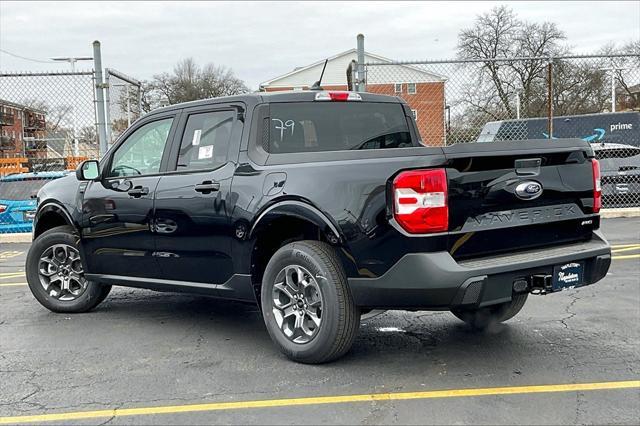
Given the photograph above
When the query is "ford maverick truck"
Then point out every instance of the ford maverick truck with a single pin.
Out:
(319, 206)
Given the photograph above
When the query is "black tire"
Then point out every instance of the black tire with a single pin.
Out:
(481, 319)
(340, 317)
(87, 300)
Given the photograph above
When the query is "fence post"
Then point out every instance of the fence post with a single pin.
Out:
(128, 106)
(107, 102)
(361, 87)
(550, 98)
(102, 122)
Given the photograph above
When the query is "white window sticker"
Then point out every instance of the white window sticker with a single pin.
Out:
(196, 137)
(205, 152)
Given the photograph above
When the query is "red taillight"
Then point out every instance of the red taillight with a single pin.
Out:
(420, 201)
(597, 186)
(2, 208)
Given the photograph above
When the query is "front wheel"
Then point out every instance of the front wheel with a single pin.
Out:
(56, 276)
(483, 318)
(306, 303)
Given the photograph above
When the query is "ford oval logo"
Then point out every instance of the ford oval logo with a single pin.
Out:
(529, 190)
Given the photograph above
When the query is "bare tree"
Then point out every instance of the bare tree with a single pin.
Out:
(88, 135)
(501, 34)
(56, 116)
(625, 73)
(490, 37)
(189, 82)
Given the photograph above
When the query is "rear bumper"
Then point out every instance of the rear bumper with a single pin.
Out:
(437, 281)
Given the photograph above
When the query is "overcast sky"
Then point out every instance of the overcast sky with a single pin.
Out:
(262, 40)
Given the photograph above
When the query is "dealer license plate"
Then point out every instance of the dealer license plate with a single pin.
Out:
(568, 275)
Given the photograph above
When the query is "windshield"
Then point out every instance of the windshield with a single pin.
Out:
(21, 189)
(336, 126)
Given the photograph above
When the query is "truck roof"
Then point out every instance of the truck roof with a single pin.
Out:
(279, 96)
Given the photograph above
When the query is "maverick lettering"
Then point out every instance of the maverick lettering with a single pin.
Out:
(522, 216)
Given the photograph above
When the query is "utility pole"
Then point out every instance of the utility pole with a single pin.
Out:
(613, 70)
(74, 117)
(518, 105)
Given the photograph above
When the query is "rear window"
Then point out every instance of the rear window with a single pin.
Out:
(619, 159)
(336, 126)
(21, 189)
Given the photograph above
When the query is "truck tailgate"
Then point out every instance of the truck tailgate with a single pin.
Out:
(507, 196)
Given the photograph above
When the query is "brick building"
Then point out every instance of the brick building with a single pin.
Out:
(22, 131)
(423, 91)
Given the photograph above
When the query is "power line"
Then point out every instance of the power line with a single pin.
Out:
(25, 58)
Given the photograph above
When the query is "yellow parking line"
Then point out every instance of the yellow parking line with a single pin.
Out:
(218, 406)
(617, 246)
(634, 248)
(629, 256)
(12, 284)
(9, 254)
(11, 275)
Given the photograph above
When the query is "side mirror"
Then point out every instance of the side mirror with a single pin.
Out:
(88, 170)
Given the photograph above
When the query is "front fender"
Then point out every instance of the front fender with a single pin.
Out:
(52, 207)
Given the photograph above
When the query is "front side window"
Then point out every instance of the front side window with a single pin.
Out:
(336, 126)
(141, 153)
(205, 141)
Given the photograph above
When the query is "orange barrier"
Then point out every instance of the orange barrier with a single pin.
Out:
(72, 162)
(12, 165)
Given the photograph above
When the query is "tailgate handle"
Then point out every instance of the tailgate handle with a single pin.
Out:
(528, 166)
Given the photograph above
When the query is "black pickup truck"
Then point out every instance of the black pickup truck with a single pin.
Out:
(319, 206)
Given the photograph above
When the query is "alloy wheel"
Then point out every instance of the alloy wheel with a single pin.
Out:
(297, 304)
(61, 273)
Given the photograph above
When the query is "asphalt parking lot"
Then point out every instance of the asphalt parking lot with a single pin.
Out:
(146, 358)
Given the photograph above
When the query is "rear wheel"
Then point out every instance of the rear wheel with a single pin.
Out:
(306, 304)
(56, 276)
(483, 318)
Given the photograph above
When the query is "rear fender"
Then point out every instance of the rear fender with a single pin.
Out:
(300, 210)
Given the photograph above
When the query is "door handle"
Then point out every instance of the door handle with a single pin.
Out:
(138, 191)
(207, 186)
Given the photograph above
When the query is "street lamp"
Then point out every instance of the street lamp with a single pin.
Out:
(72, 61)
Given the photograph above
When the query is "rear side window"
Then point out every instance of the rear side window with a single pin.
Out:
(205, 141)
(336, 126)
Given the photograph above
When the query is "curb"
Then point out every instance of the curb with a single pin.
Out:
(20, 237)
(622, 212)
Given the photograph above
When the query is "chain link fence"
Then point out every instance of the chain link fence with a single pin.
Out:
(124, 102)
(594, 98)
(48, 125)
(48, 120)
